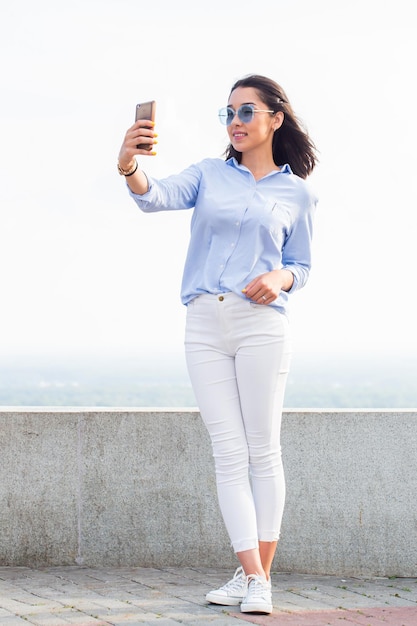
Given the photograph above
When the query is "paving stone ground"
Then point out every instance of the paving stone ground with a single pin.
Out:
(58, 596)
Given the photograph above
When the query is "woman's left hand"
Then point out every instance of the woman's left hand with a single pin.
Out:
(265, 288)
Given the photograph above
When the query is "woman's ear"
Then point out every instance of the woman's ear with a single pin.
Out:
(278, 120)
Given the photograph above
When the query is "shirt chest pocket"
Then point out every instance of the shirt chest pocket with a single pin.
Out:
(276, 218)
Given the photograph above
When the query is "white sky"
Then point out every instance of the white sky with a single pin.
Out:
(84, 271)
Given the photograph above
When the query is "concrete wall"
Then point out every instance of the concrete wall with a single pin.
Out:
(136, 487)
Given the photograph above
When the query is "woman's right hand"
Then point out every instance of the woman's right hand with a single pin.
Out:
(140, 134)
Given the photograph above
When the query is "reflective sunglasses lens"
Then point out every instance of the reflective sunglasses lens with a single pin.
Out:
(226, 115)
(223, 116)
(246, 113)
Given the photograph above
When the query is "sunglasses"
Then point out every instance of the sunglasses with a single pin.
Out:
(245, 113)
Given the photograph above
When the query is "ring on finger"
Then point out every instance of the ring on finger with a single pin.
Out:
(263, 297)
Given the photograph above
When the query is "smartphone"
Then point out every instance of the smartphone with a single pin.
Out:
(145, 111)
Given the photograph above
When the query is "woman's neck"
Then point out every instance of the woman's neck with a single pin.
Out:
(259, 165)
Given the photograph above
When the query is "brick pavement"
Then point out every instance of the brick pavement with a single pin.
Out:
(58, 596)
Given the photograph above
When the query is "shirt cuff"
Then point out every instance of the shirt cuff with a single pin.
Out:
(142, 195)
(295, 281)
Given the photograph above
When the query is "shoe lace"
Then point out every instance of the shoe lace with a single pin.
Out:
(257, 585)
(236, 582)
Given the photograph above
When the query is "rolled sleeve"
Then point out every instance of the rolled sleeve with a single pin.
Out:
(176, 192)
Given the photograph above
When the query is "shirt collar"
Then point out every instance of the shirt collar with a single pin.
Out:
(285, 169)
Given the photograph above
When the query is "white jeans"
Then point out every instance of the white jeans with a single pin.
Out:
(238, 356)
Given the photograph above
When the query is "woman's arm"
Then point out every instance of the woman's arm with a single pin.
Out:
(139, 133)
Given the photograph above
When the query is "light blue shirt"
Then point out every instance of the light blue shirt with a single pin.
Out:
(240, 227)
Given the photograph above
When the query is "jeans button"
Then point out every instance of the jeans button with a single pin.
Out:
(221, 298)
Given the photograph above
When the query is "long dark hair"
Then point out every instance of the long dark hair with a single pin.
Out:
(291, 143)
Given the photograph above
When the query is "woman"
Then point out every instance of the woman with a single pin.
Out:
(249, 248)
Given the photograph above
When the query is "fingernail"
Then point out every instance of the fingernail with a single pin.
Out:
(153, 153)
(243, 290)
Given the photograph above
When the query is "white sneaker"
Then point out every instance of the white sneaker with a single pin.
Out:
(232, 593)
(258, 598)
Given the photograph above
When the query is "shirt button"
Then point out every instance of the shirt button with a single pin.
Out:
(221, 298)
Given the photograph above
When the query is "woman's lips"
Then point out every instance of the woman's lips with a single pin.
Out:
(239, 136)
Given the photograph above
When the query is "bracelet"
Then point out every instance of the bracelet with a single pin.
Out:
(129, 171)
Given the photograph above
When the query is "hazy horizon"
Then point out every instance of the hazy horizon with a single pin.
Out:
(315, 381)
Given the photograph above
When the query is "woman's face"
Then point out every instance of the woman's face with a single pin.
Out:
(257, 133)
